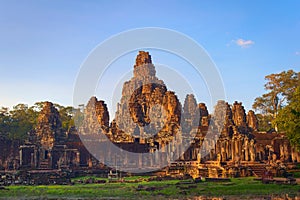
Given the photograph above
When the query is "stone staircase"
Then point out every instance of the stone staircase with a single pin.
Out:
(44, 164)
(203, 172)
(258, 170)
(215, 172)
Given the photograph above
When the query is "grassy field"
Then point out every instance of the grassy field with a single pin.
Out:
(244, 188)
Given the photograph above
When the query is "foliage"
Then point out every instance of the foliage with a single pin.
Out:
(78, 116)
(66, 116)
(16, 123)
(4, 122)
(288, 119)
(238, 188)
(280, 88)
(264, 122)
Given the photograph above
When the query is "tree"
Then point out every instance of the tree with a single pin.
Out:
(280, 88)
(264, 122)
(4, 122)
(16, 123)
(66, 116)
(22, 120)
(288, 119)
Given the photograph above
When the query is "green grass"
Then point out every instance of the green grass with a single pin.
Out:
(296, 174)
(246, 187)
(239, 187)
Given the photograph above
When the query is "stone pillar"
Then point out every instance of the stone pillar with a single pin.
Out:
(223, 151)
(150, 157)
(246, 148)
(232, 150)
(21, 156)
(65, 161)
(50, 164)
(78, 158)
(156, 157)
(286, 151)
(199, 157)
(236, 146)
(142, 135)
(125, 162)
(218, 146)
(219, 159)
(281, 152)
(252, 151)
(90, 163)
(229, 149)
(35, 157)
(240, 149)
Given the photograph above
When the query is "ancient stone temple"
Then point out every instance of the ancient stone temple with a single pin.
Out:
(96, 117)
(147, 109)
(151, 120)
(149, 117)
(48, 130)
(252, 120)
(47, 147)
(241, 150)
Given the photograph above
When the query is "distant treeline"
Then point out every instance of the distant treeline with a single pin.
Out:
(15, 124)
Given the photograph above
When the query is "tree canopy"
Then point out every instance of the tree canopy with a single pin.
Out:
(280, 89)
(16, 123)
(288, 119)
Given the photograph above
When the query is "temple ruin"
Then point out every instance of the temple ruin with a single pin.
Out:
(225, 143)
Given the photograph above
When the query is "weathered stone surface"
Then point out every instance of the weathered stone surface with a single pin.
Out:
(222, 117)
(48, 129)
(47, 146)
(191, 114)
(252, 121)
(239, 115)
(235, 143)
(204, 115)
(143, 58)
(9, 154)
(98, 109)
(143, 65)
(148, 117)
(146, 108)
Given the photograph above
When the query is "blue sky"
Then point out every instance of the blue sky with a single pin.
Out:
(43, 43)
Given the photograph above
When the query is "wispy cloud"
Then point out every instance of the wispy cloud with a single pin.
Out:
(297, 53)
(244, 43)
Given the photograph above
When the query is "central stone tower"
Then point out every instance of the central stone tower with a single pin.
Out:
(147, 109)
(143, 67)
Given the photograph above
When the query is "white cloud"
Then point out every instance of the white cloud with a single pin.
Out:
(244, 43)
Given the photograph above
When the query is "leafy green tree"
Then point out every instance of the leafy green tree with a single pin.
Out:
(23, 120)
(280, 88)
(288, 119)
(38, 106)
(4, 122)
(66, 116)
(16, 123)
(78, 116)
(264, 122)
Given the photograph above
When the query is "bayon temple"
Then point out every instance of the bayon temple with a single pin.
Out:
(176, 138)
